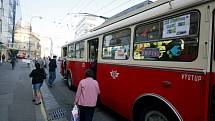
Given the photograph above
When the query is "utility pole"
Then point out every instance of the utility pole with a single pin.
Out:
(14, 19)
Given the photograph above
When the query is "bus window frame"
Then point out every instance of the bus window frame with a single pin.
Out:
(69, 50)
(116, 31)
(213, 34)
(89, 49)
(79, 49)
(161, 19)
(64, 51)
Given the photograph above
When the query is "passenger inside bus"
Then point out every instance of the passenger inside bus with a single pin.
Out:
(173, 51)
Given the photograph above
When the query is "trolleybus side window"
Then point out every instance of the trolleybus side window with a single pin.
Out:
(93, 49)
(116, 45)
(79, 50)
(71, 51)
(64, 51)
(171, 39)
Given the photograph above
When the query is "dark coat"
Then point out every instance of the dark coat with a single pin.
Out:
(52, 65)
(38, 75)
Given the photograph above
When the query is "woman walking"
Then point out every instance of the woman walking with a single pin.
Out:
(86, 96)
(38, 75)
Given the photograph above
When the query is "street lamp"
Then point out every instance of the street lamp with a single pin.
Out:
(30, 33)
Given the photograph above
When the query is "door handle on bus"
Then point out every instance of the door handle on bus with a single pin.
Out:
(167, 83)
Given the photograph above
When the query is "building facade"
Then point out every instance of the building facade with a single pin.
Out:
(7, 24)
(27, 44)
(86, 24)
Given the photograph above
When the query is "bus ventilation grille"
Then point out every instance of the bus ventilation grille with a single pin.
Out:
(212, 111)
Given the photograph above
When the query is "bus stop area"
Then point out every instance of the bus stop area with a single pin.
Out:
(16, 97)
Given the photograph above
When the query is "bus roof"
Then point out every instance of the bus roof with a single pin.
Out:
(150, 11)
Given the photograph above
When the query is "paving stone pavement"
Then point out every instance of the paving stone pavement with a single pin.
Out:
(16, 95)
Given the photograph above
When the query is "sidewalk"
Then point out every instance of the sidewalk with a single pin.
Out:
(16, 95)
(52, 109)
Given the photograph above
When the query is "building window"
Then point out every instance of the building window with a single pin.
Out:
(1, 4)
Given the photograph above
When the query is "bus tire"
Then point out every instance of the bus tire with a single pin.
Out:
(69, 81)
(157, 113)
(152, 108)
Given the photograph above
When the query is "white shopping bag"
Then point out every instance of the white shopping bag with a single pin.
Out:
(75, 113)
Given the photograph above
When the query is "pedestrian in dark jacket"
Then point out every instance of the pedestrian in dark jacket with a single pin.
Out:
(13, 61)
(52, 71)
(38, 75)
(3, 58)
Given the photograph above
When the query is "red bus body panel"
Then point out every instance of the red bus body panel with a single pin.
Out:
(77, 70)
(185, 94)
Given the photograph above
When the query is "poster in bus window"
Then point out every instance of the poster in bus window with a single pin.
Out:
(178, 26)
(150, 52)
(107, 52)
(120, 54)
(107, 40)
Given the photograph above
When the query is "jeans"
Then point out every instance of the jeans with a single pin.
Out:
(52, 77)
(37, 86)
(13, 65)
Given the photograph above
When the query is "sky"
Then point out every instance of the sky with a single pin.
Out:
(56, 24)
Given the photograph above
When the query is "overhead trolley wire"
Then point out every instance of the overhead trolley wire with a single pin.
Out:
(87, 5)
(116, 7)
(105, 6)
(75, 6)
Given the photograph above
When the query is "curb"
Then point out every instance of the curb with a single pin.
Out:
(52, 108)
(49, 110)
(39, 109)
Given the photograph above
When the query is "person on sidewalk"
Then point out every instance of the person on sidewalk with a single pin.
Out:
(28, 61)
(13, 61)
(0, 59)
(52, 71)
(86, 96)
(41, 62)
(38, 75)
(3, 58)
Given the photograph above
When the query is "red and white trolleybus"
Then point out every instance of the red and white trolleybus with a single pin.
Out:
(154, 64)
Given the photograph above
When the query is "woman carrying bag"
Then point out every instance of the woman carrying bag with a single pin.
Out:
(86, 96)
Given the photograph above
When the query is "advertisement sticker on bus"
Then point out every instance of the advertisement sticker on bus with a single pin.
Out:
(120, 54)
(178, 26)
(150, 52)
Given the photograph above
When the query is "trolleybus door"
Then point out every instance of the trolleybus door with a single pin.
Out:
(212, 73)
(212, 64)
(213, 51)
(92, 54)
